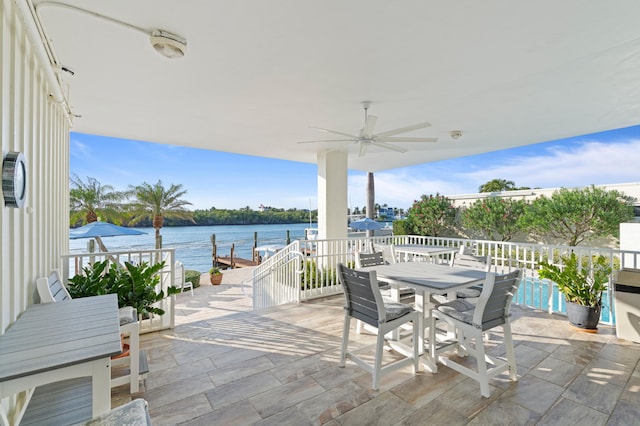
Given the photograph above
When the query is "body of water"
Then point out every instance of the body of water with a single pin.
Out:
(193, 243)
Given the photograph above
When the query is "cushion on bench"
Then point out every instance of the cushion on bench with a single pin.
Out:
(134, 413)
(127, 315)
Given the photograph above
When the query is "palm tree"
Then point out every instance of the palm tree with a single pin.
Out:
(90, 200)
(155, 202)
(497, 185)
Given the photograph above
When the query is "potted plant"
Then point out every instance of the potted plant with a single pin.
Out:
(215, 275)
(582, 285)
(135, 285)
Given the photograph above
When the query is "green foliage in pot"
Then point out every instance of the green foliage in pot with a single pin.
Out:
(215, 271)
(135, 285)
(580, 282)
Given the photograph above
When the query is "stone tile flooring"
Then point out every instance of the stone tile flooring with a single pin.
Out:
(226, 365)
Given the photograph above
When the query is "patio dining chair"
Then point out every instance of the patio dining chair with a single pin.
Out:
(381, 257)
(471, 321)
(388, 252)
(467, 259)
(364, 260)
(364, 302)
(180, 281)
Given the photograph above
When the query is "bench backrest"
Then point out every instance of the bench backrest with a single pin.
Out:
(51, 288)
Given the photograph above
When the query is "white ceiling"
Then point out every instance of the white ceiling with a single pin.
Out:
(258, 74)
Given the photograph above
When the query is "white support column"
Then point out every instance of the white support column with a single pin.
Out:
(332, 195)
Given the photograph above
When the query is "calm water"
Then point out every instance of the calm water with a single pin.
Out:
(531, 290)
(193, 243)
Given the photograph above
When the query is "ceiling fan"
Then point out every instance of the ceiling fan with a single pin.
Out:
(366, 137)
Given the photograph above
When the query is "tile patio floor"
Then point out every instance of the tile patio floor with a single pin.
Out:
(226, 365)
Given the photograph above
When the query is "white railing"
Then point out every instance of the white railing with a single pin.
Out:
(322, 257)
(276, 281)
(73, 264)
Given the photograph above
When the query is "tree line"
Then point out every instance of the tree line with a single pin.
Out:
(154, 205)
(569, 216)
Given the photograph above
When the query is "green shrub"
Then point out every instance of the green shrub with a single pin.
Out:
(135, 285)
(400, 227)
(192, 277)
(315, 277)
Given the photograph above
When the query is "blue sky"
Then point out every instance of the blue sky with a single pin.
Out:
(222, 180)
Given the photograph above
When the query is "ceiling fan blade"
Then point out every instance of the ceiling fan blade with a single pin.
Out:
(389, 146)
(403, 130)
(369, 125)
(406, 139)
(329, 140)
(363, 149)
(335, 132)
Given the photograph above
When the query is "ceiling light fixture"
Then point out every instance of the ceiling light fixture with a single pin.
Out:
(165, 43)
(456, 134)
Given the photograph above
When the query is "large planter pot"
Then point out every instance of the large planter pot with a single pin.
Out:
(584, 317)
(215, 279)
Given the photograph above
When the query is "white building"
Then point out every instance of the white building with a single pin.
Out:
(631, 189)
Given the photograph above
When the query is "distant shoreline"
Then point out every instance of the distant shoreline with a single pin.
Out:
(205, 224)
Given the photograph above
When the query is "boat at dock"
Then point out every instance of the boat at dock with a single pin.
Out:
(386, 230)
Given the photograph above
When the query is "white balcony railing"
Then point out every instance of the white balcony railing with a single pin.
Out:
(306, 269)
(280, 280)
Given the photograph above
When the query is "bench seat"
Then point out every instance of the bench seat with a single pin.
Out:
(69, 402)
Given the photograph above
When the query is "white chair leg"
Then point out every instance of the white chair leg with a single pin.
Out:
(377, 362)
(417, 345)
(511, 357)
(483, 378)
(432, 343)
(345, 339)
(134, 359)
(463, 343)
(358, 326)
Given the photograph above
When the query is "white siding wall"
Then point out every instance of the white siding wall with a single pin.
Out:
(34, 237)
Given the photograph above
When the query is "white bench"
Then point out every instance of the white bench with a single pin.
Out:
(51, 289)
(68, 402)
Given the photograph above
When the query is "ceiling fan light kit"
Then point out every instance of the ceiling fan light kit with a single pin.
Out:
(366, 137)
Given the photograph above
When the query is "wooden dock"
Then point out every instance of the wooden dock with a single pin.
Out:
(232, 261)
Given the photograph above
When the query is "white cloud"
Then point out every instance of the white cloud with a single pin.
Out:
(575, 165)
(582, 164)
(79, 150)
(399, 188)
